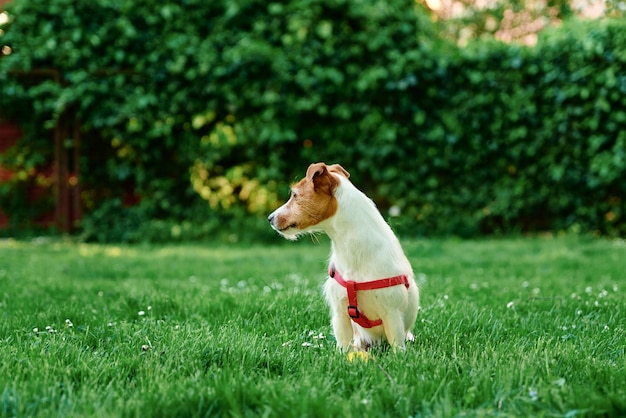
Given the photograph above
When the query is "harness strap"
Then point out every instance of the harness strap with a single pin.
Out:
(352, 287)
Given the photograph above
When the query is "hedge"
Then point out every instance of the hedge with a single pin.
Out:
(207, 110)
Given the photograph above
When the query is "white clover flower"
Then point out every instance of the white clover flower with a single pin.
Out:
(141, 313)
(510, 305)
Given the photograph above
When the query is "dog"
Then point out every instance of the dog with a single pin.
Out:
(371, 289)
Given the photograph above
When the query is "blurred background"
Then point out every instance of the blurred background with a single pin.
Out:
(158, 121)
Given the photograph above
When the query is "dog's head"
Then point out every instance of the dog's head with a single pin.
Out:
(312, 201)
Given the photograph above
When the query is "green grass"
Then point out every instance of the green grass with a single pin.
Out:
(510, 327)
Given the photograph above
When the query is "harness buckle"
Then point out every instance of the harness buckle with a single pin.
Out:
(353, 312)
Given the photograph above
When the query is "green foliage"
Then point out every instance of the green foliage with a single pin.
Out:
(551, 130)
(515, 327)
(206, 110)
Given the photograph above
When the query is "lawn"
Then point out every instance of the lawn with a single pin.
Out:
(508, 327)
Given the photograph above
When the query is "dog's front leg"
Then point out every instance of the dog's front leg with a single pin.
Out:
(341, 322)
(342, 327)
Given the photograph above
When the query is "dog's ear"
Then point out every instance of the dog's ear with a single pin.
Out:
(321, 178)
(314, 170)
(336, 168)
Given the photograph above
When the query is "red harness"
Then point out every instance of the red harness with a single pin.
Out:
(352, 287)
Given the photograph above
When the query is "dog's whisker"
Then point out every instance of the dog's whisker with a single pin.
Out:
(315, 239)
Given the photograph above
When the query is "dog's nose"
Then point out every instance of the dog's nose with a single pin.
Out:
(270, 218)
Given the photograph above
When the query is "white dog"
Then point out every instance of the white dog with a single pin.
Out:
(371, 289)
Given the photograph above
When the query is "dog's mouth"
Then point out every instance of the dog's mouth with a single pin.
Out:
(288, 231)
(275, 224)
(284, 229)
(293, 225)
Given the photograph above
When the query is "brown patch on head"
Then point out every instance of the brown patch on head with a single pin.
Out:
(312, 198)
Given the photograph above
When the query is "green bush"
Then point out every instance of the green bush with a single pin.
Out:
(206, 110)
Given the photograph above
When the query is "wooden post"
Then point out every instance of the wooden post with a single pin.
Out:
(77, 209)
(66, 168)
(61, 174)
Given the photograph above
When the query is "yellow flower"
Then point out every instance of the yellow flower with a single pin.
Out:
(358, 355)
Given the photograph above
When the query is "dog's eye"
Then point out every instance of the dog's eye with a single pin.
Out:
(294, 194)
